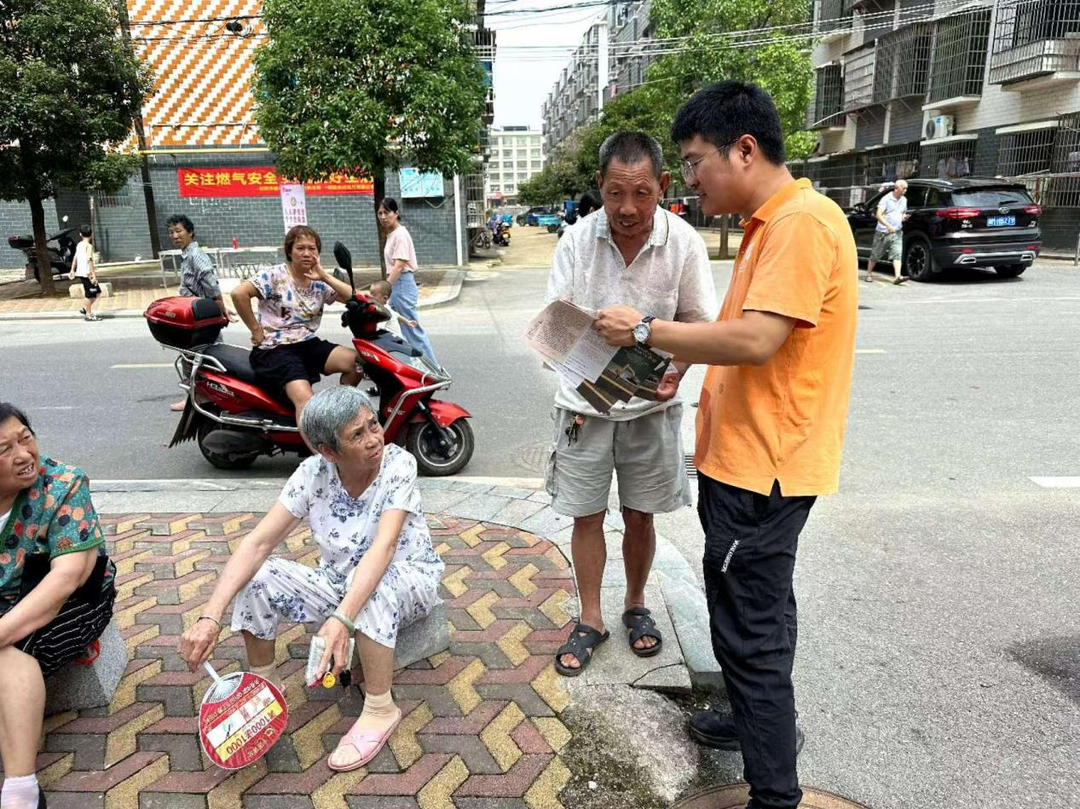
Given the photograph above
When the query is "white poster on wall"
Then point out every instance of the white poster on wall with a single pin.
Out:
(293, 204)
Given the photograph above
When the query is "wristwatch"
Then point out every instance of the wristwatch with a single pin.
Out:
(643, 330)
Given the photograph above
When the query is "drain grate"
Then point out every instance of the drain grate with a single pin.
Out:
(688, 461)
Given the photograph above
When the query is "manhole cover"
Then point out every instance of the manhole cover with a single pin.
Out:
(735, 796)
(534, 456)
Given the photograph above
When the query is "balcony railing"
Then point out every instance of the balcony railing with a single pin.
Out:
(1036, 39)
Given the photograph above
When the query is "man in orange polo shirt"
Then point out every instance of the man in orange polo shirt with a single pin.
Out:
(770, 426)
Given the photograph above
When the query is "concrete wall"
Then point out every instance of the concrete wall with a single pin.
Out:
(256, 221)
(15, 221)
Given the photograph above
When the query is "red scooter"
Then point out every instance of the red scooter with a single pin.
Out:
(234, 421)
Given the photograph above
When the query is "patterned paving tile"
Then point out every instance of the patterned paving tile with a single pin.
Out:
(481, 725)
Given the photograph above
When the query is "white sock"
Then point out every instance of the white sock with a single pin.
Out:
(20, 793)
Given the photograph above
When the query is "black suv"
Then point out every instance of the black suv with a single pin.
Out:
(959, 223)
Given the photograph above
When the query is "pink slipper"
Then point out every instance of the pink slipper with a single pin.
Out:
(367, 743)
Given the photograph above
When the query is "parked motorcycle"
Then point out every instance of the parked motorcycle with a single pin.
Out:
(234, 421)
(500, 234)
(60, 256)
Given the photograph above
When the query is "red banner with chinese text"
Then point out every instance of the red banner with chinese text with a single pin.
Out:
(261, 182)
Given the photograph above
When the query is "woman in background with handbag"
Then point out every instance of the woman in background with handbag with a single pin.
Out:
(56, 591)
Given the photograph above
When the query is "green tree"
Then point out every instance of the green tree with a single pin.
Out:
(366, 86)
(715, 50)
(647, 109)
(72, 88)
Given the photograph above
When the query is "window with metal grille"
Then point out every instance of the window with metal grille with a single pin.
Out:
(1033, 38)
(947, 161)
(902, 65)
(898, 162)
(121, 199)
(959, 55)
(1064, 190)
(859, 78)
(1030, 152)
(832, 15)
(1035, 20)
(828, 97)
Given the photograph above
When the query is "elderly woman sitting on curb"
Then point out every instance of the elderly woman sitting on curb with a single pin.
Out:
(56, 592)
(377, 573)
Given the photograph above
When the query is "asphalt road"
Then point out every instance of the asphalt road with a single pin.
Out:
(939, 660)
(102, 391)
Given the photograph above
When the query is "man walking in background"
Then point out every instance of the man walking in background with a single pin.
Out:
(888, 239)
(197, 276)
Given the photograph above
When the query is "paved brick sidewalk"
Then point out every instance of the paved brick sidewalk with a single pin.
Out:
(482, 725)
(131, 295)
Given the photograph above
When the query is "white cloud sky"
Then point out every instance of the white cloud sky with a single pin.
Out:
(523, 80)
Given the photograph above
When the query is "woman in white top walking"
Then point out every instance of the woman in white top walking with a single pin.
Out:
(82, 267)
(400, 255)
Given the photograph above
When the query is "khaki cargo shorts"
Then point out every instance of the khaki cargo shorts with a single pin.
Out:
(646, 453)
(887, 246)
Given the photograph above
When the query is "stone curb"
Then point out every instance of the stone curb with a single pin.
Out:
(523, 506)
(446, 292)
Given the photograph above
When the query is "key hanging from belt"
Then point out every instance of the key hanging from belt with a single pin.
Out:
(574, 429)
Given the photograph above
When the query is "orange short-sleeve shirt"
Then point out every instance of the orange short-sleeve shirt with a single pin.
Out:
(784, 421)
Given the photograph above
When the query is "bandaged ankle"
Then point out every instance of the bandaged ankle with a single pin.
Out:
(379, 712)
(269, 672)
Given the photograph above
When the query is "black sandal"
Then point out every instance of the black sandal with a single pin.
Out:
(581, 644)
(640, 624)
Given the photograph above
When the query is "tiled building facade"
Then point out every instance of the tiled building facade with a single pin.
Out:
(201, 116)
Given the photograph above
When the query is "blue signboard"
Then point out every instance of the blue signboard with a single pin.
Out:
(417, 185)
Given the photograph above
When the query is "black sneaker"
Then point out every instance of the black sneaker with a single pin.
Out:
(717, 730)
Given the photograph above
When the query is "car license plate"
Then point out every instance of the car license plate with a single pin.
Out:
(1000, 221)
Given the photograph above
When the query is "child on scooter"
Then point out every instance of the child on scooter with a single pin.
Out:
(379, 292)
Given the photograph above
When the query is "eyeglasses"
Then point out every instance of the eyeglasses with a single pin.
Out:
(689, 167)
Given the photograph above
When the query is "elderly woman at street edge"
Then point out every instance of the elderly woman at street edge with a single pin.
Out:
(377, 570)
(56, 592)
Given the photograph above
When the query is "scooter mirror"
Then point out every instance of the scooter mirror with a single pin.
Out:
(344, 260)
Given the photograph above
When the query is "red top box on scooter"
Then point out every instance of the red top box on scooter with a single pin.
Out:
(184, 322)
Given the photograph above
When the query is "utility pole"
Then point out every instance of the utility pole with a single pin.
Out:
(140, 138)
(602, 63)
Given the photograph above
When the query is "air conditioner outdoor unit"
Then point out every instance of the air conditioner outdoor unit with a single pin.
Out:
(940, 126)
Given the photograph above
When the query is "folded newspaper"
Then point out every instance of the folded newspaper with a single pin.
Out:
(603, 374)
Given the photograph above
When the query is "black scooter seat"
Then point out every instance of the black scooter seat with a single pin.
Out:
(392, 344)
(235, 360)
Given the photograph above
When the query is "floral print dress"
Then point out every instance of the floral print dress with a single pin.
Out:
(344, 528)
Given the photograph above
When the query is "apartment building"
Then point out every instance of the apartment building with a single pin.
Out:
(618, 42)
(574, 99)
(629, 30)
(949, 88)
(517, 153)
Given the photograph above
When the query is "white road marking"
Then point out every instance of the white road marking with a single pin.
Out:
(1058, 483)
(1032, 299)
(143, 365)
(869, 350)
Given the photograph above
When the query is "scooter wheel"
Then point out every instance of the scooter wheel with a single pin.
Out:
(221, 461)
(432, 460)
